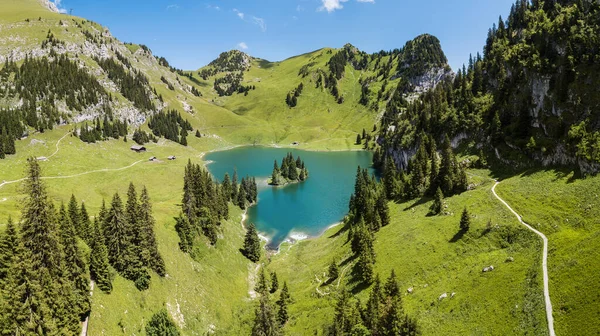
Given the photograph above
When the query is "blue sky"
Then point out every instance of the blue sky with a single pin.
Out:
(191, 33)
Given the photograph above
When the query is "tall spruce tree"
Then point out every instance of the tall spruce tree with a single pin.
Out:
(115, 234)
(99, 268)
(87, 231)
(149, 246)
(9, 241)
(74, 263)
(282, 304)
(251, 247)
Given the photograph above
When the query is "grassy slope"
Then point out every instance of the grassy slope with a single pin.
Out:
(507, 301)
(567, 210)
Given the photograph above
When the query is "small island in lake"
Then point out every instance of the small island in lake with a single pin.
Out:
(291, 171)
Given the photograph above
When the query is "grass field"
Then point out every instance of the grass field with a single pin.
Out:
(567, 210)
(423, 252)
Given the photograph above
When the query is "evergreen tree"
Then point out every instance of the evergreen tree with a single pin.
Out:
(99, 270)
(358, 139)
(75, 216)
(282, 303)
(333, 271)
(372, 312)
(40, 283)
(261, 287)
(274, 283)
(226, 187)
(149, 246)
(74, 264)
(87, 230)
(265, 323)
(465, 220)
(161, 325)
(115, 234)
(438, 202)
(241, 197)
(234, 186)
(9, 241)
(251, 247)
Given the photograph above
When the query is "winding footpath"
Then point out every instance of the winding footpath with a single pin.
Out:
(544, 262)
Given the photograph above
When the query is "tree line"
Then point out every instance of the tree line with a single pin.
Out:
(133, 84)
(292, 97)
(170, 125)
(104, 130)
(205, 204)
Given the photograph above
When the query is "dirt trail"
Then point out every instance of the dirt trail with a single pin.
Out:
(544, 262)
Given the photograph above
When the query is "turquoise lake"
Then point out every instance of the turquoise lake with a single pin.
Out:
(299, 210)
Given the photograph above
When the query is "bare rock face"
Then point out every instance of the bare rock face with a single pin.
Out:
(50, 5)
(430, 79)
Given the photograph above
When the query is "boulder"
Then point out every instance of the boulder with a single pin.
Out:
(443, 296)
(410, 290)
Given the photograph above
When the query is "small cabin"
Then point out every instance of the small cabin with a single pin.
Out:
(152, 158)
(171, 158)
(138, 149)
(295, 143)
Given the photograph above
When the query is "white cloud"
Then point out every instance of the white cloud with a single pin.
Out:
(331, 5)
(242, 45)
(169, 7)
(300, 9)
(213, 7)
(240, 14)
(260, 22)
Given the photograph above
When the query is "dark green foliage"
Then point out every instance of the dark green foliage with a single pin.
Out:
(130, 238)
(99, 267)
(292, 97)
(230, 84)
(252, 247)
(198, 135)
(76, 269)
(161, 325)
(141, 137)
(282, 304)
(438, 202)
(265, 318)
(9, 241)
(382, 315)
(133, 85)
(333, 270)
(170, 125)
(290, 171)
(465, 221)
(39, 296)
(106, 130)
(204, 205)
(149, 246)
(274, 283)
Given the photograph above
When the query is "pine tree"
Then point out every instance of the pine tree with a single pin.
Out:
(438, 202)
(115, 234)
(99, 270)
(161, 325)
(75, 216)
(465, 221)
(41, 274)
(265, 322)
(74, 264)
(252, 244)
(87, 230)
(226, 187)
(282, 303)
(372, 312)
(383, 209)
(9, 241)
(241, 197)
(333, 271)
(261, 286)
(234, 187)
(150, 255)
(274, 283)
